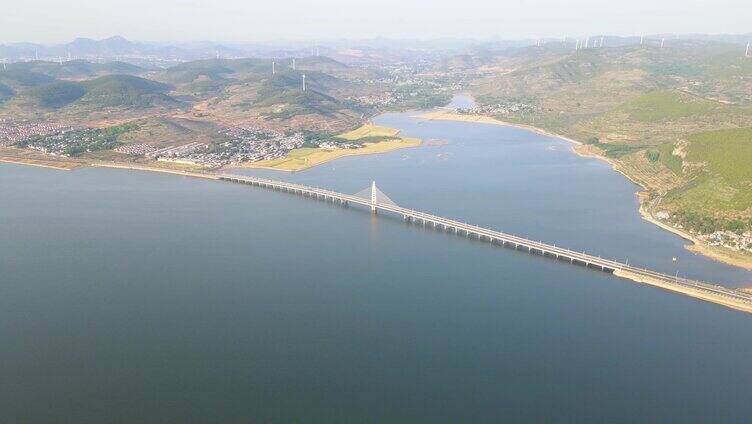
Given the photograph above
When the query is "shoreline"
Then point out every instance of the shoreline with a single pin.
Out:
(696, 246)
(32, 162)
(479, 119)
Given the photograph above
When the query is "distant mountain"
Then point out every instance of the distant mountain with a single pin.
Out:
(87, 48)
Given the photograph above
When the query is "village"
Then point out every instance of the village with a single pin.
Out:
(12, 132)
(730, 240)
(504, 108)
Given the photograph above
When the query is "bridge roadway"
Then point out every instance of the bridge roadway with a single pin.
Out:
(715, 293)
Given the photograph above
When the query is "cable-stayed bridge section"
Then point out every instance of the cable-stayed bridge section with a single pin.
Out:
(377, 201)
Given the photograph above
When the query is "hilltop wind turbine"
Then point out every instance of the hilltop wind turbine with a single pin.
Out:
(663, 40)
(4, 68)
(303, 82)
(747, 52)
(273, 68)
(601, 43)
(60, 60)
(587, 41)
(642, 38)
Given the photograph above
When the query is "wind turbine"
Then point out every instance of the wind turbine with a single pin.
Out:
(317, 52)
(601, 43)
(4, 68)
(217, 51)
(642, 38)
(293, 63)
(273, 67)
(747, 52)
(663, 40)
(303, 82)
(587, 41)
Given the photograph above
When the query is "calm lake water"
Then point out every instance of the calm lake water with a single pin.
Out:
(137, 297)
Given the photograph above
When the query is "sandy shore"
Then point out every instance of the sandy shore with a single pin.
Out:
(60, 166)
(441, 115)
(696, 246)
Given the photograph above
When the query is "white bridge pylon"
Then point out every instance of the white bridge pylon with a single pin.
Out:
(375, 196)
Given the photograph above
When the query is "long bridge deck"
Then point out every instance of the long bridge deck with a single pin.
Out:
(710, 292)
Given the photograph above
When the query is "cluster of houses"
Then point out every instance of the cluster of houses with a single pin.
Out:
(332, 145)
(12, 132)
(730, 240)
(504, 108)
(177, 151)
(136, 149)
(237, 145)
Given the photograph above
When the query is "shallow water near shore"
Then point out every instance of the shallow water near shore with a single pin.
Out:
(136, 296)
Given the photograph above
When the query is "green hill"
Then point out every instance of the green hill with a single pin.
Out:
(321, 64)
(285, 88)
(20, 78)
(107, 91)
(74, 69)
(203, 76)
(124, 90)
(719, 194)
(56, 94)
(5, 92)
(189, 72)
(664, 105)
(669, 118)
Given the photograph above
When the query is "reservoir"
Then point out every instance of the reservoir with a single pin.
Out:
(134, 296)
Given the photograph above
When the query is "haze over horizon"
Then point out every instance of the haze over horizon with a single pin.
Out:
(47, 21)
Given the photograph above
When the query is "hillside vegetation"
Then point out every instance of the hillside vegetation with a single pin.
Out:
(108, 91)
(675, 119)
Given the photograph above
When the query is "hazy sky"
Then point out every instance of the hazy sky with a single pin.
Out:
(253, 20)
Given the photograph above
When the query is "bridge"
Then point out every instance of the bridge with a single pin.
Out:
(377, 201)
